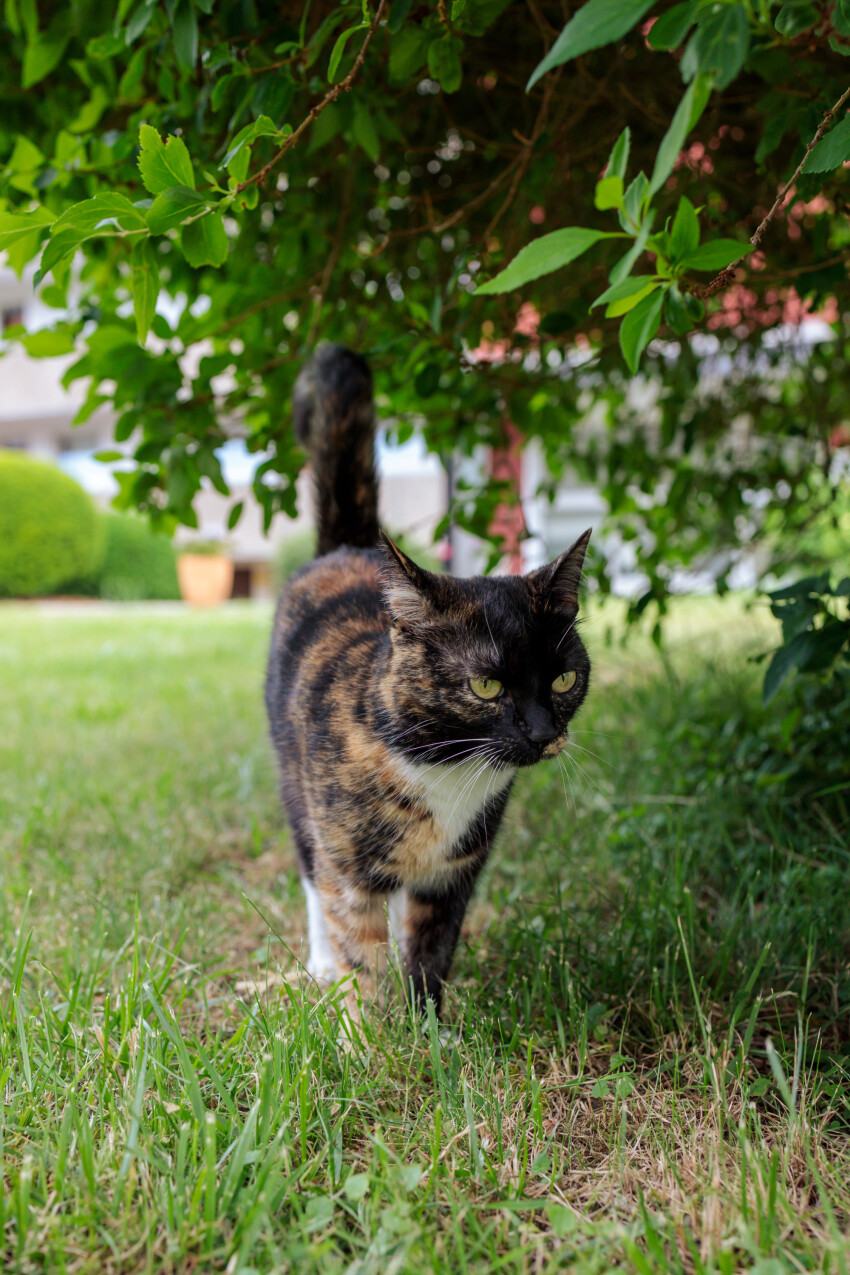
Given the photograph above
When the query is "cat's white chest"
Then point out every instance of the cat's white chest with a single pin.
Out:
(455, 793)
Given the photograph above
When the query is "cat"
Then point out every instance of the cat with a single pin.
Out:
(401, 704)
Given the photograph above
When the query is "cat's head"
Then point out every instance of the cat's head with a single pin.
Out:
(490, 666)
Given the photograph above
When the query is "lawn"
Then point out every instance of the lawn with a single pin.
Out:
(647, 1060)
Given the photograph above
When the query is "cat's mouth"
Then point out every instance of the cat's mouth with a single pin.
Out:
(526, 753)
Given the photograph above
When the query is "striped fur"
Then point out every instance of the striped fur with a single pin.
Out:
(394, 774)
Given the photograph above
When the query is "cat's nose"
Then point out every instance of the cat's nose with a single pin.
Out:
(539, 725)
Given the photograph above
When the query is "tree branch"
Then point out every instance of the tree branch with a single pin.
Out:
(722, 280)
(330, 96)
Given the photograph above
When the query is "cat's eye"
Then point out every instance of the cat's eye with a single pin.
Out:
(485, 687)
(565, 682)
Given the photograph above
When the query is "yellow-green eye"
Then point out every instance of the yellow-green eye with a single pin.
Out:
(565, 682)
(485, 687)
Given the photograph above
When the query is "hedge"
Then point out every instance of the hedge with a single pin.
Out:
(50, 531)
(139, 562)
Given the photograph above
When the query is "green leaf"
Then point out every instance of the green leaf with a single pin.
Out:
(205, 241)
(408, 52)
(788, 657)
(716, 254)
(831, 151)
(399, 9)
(139, 19)
(172, 208)
(684, 235)
(444, 62)
(338, 50)
(794, 19)
(42, 54)
(597, 23)
(630, 287)
(639, 327)
(719, 46)
(364, 130)
(623, 268)
(618, 160)
(544, 255)
(628, 300)
(48, 343)
(14, 226)
(185, 34)
(672, 27)
(59, 246)
(235, 514)
(261, 127)
(145, 279)
(609, 193)
(687, 113)
(109, 208)
(676, 312)
(163, 164)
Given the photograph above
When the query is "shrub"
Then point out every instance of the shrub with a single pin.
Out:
(50, 530)
(139, 562)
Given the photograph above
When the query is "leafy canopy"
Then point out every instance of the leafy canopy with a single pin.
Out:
(208, 187)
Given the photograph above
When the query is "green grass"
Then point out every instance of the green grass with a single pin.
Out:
(647, 1065)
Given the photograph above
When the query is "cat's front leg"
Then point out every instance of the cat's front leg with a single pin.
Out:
(356, 934)
(432, 923)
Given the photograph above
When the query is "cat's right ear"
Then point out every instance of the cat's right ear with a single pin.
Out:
(409, 590)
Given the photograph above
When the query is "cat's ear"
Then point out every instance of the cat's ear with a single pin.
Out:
(409, 590)
(559, 580)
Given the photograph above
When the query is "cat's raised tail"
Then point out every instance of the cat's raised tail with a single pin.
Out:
(334, 418)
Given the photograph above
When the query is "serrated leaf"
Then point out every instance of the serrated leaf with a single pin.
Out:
(205, 241)
(831, 151)
(544, 255)
(717, 254)
(608, 193)
(110, 206)
(185, 33)
(444, 62)
(597, 23)
(14, 226)
(145, 280)
(172, 208)
(672, 27)
(163, 164)
(686, 115)
(639, 327)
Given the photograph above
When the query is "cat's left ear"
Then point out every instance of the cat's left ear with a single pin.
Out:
(409, 590)
(560, 579)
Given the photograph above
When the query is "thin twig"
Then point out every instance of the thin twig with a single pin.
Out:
(726, 276)
(330, 96)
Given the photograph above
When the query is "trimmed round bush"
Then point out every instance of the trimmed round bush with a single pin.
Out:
(50, 529)
(139, 562)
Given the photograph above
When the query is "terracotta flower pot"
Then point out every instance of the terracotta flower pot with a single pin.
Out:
(206, 579)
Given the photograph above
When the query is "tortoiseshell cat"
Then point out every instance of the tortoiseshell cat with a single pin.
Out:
(401, 705)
